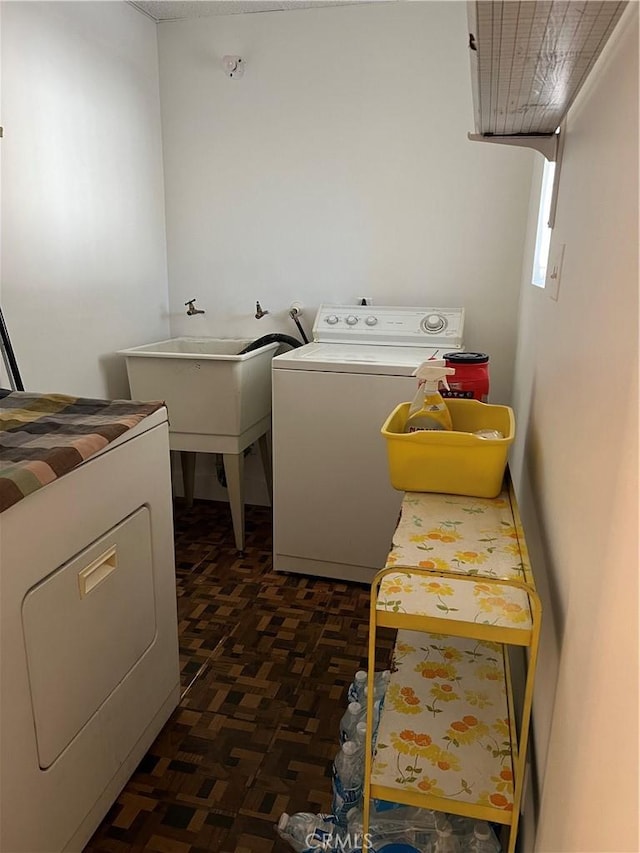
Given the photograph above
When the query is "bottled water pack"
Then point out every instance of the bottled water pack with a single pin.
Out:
(421, 830)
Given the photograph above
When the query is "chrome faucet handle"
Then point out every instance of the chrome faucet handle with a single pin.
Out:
(191, 309)
(259, 312)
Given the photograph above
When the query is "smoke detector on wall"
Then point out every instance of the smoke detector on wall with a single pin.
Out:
(233, 66)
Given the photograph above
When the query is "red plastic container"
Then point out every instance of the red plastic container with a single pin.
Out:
(471, 380)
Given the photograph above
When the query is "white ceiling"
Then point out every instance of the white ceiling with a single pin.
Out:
(174, 10)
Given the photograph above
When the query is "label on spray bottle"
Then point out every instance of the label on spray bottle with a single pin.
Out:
(433, 415)
(429, 410)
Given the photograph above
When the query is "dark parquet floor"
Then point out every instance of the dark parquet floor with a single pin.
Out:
(266, 659)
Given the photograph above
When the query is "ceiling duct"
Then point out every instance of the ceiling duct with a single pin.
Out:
(528, 62)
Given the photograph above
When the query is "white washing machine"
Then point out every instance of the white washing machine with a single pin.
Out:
(334, 510)
(88, 639)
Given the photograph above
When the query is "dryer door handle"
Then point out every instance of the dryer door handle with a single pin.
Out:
(96, 572)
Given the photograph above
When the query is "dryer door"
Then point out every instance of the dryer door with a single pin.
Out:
(85, 626)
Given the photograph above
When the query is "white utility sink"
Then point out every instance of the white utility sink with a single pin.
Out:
(218, 402)
(209, 388)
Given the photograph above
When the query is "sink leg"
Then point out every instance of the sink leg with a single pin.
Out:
(188, 462)
(234, 469)
(265, 455)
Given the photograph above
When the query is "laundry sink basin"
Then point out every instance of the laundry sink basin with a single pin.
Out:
(209, 388)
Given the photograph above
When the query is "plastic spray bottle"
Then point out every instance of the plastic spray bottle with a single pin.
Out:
(428, 410)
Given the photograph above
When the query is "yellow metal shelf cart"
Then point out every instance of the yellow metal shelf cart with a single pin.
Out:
(458, 588)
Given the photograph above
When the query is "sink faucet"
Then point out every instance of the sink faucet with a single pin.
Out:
(259, 312)
(191, 308)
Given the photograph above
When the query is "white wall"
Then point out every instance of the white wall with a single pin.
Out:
(83, 239)
(337, 166)
(576, 466)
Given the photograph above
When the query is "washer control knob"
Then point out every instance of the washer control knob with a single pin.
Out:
(331, 319)
(371, 321)
(351, 320)
(433, 323)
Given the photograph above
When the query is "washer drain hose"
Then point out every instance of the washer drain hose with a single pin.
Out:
(271, 339)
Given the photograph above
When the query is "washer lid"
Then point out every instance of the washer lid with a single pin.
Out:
(356, 358)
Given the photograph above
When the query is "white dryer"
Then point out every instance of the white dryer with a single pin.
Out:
(89, 645)
(334, 510)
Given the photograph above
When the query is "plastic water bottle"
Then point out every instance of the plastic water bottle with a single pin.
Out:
(348, 772)
(354, 819)
(376, 700)
(483, 840)
(348, 838)
(445, 841)
(360, 734)
(381, 682)
(307, 833)
(352, 716)
(424, 823)
(356, 690)
(355, 833)
(358, 686)
(442, 820)
(377, 703)
(462, 827)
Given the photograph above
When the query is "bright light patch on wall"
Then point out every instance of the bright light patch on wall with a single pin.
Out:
(543, 233)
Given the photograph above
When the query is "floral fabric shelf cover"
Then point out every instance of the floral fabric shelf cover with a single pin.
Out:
(445, 729)
(453, 535)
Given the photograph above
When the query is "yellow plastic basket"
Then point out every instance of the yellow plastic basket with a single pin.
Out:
(454, 462)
